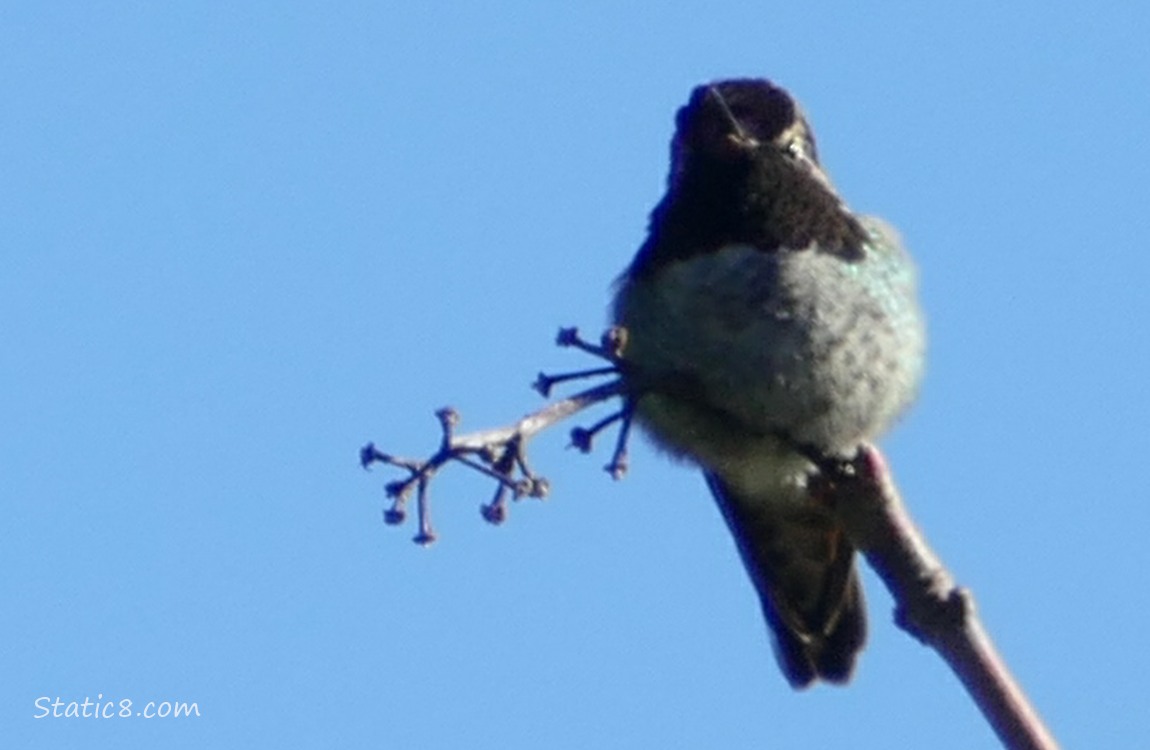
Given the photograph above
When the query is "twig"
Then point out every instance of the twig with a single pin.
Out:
(930, 606)
(544, 382)
(500, 453)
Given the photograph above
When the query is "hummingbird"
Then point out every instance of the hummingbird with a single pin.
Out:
(766, 324)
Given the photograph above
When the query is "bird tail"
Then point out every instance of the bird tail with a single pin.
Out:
(802, 565)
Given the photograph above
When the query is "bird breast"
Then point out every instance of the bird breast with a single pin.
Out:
(803, 343)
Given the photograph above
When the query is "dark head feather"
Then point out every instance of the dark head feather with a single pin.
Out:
(744, 169)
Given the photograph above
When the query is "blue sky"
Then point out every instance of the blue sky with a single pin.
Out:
(239, 241)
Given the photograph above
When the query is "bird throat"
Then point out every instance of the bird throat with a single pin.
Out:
(757, 202)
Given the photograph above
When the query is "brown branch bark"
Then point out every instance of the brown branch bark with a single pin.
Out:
(930, 606)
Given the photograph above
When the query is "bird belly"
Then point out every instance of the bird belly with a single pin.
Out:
(755, 345)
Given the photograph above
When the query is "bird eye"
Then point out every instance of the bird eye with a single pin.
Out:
(795, 149)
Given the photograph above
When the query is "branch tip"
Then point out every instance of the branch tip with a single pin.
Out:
(369, 455)
(398, 489)
(424, 538)
(610, 346)
(618, 466)
(567, 337)
(542, 384)
(581, 439)
(500, 454)
(540, 488)
(448, 419)
(493, 513)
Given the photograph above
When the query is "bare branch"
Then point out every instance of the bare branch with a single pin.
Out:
(861, 492)
(930, 606)
(500, 453)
